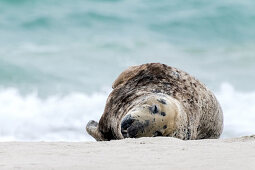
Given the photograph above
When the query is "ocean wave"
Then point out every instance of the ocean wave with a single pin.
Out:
(57, 118)
(239, 111)
(52, 119)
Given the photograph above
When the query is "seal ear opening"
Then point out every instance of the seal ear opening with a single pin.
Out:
(92, 129)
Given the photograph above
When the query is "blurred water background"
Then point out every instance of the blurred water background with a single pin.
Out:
(58, 58)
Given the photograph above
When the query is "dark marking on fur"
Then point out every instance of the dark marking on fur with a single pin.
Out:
(158, 133)
(165, 126)
(156, 91)
(147, 122)
(163, 113)
(162, 101)
(188, 134)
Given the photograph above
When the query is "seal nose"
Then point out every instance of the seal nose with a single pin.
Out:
(126, 126)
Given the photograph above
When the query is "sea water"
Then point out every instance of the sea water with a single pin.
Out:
(58, 58)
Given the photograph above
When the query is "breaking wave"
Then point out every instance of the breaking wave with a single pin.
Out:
(63, 118)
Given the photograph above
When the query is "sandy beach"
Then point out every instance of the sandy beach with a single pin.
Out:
(142, 153)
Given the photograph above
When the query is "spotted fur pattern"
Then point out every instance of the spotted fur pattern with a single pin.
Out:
(204, 117)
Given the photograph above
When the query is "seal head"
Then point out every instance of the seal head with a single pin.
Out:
(152, 115)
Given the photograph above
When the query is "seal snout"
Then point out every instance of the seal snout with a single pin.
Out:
(129, 127)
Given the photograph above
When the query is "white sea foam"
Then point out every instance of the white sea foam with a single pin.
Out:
(64, 117)
(54, 118)
(239, 111)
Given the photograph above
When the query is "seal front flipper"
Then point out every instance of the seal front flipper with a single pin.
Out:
(92, 129)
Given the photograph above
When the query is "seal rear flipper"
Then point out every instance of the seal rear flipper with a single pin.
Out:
(92, 129)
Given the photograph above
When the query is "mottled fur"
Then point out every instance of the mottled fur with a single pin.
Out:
(200, 113)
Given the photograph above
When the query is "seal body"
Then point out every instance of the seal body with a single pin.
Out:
(158, 100)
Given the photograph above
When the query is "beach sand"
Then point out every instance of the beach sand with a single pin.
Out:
(142, 153)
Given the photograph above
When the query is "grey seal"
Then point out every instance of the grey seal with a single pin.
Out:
(154, 99)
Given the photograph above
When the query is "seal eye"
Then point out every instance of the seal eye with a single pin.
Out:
(154, 109)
